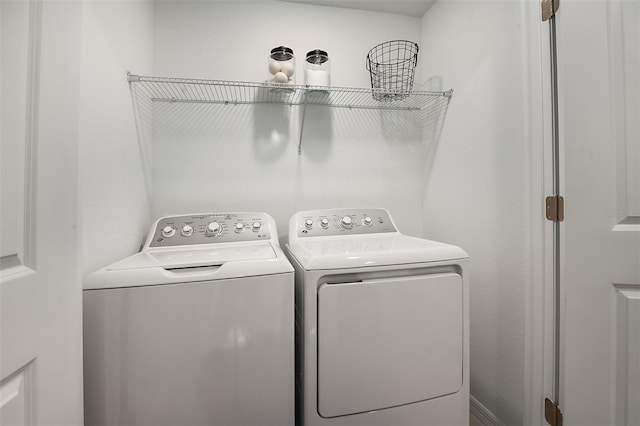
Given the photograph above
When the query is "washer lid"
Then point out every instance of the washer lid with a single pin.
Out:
(199, 247)
(190, 264)
(356, 251)
(189, 257)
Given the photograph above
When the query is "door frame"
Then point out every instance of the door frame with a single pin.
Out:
(541, 299)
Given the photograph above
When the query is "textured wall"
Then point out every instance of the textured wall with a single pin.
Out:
(117, 37)
(476, 192)
(217, 157)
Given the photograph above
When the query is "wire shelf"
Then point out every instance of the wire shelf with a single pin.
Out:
(161, 89)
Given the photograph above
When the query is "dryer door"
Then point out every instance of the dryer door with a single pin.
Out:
(388, 342)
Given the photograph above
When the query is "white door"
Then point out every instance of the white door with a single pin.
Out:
(40, 287)
(599, 86)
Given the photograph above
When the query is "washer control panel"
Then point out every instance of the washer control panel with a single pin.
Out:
(210, 228)
(318, 223)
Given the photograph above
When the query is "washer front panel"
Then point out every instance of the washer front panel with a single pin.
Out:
(229, 227)
(387, 342)
(200, 353)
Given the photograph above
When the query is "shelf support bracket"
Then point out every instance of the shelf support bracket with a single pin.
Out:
(132, 78)
(304, 111)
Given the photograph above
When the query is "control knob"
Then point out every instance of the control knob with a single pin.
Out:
(346, 222)
(187, 230)
(256, 226)
(324, 222)
(168, 231)
(213, 229)
(239, 227)
(367, 221)
(308, 223)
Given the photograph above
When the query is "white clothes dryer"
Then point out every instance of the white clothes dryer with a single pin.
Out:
(196, 329)
(382, 324)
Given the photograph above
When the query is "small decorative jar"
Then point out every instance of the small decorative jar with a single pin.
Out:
(282, 65)
(317, 68)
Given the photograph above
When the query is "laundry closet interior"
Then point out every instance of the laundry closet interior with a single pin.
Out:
(444, 171)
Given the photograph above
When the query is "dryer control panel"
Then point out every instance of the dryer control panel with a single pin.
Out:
(320, 223)
(209, 228)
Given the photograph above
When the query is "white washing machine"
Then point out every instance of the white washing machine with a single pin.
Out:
(196, 329)
(382, 329)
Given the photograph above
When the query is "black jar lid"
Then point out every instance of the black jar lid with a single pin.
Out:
(317, 56)
(282, 53)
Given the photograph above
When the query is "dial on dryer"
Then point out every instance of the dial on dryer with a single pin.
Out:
(347, 222)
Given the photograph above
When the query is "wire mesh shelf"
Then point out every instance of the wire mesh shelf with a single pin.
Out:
(161, 89)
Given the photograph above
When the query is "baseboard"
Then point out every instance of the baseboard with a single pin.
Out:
(482, 414)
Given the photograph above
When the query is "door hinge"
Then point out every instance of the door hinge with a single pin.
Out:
(552, 413)
(549, 8)
(554, 208)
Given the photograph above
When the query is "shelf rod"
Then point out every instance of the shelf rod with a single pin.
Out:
(230, 102)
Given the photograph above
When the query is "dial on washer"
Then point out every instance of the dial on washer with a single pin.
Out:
(168, 231)
(187, 230)
(213, 229)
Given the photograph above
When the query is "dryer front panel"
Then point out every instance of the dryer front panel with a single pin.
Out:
(388, 342)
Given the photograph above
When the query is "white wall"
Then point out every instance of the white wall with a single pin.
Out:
(116, 37)
(217, 158)
(231, 40)
(477, 189)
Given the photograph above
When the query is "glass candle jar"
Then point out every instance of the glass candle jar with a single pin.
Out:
(282, 65)
(317, 68)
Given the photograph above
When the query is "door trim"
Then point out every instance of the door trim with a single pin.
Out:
(539, 323)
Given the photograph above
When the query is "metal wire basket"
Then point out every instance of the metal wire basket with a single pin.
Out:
(392, 66)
